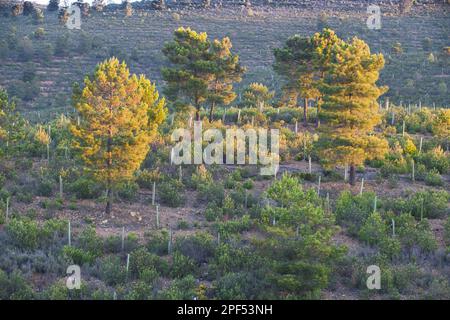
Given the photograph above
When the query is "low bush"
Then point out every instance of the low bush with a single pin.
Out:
(170, 193)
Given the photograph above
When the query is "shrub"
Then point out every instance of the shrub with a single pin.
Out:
(239, 285)
(447, 231)
(248, 184)
(24, 233)
(141, 260)
(180, 289)
(145, 178)
(90, 242)
(374, 230)
(158, 242)
(213, 192)
(113, 271)
(14, 287)
(85, 188)
(433, 178)
(77, 256)
(182, 266)
(170, 193)
(140, 291)
(128, 190)
(45, 188)
(199, 247)
(213, 212)
(435, 159)
(230, 227)
(352, 211)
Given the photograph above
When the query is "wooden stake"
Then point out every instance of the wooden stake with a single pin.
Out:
(239, 116)
(309, 164)
(375, 204)
(403, 129)
(128, 262)
(169, 245)
(157, 217)
(7, 210)
(362, 186)
(180, 174)
(154, 193)
(346, 172)
(123, 239)
(420, 144)
(393, 227)
(318, 186)
(413, 171)
(69, 234)
(296, 126)
(60, 187)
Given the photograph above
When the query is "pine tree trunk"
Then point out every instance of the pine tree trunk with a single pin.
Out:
(305, 112)
(352, 178)
(109, 200)
(211, 111)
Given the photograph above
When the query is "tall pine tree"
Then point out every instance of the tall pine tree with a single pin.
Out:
(188, 79)
(226, 71)
(350, 110)
(295, 63)
(120, 114)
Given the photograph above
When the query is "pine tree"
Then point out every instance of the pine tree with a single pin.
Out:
(324, 44)
(14, 129)
(295, 63)
(119, 116)
(257, 95)
(226, 71)
(299, 247)
(188, 80)
(350, 109)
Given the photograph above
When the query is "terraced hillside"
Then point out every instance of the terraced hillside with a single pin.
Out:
(60, 56)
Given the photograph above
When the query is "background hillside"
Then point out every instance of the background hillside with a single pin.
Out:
(417, 67)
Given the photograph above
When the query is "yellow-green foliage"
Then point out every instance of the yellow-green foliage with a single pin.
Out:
(119, 115)
(350, 109)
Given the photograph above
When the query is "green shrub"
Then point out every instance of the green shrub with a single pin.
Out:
(141, 260)
(213, 212)
(90, 243)
(248, 184)
(145, 178)
(113, 270)
(182, 266)
(158, 242)
(435, 159)
(199, 247)
(45, 188)
(433, 178)
(14, 287)
(140, 291)
(128, 190)
(352, 210)
(183, 225)
(77, 255)
(447, 232)
(24, 233)
(180, 289)
(374, 230)
(230, 227)
(427, 203)
(170, 193)
(213, 192)
(85, 188)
